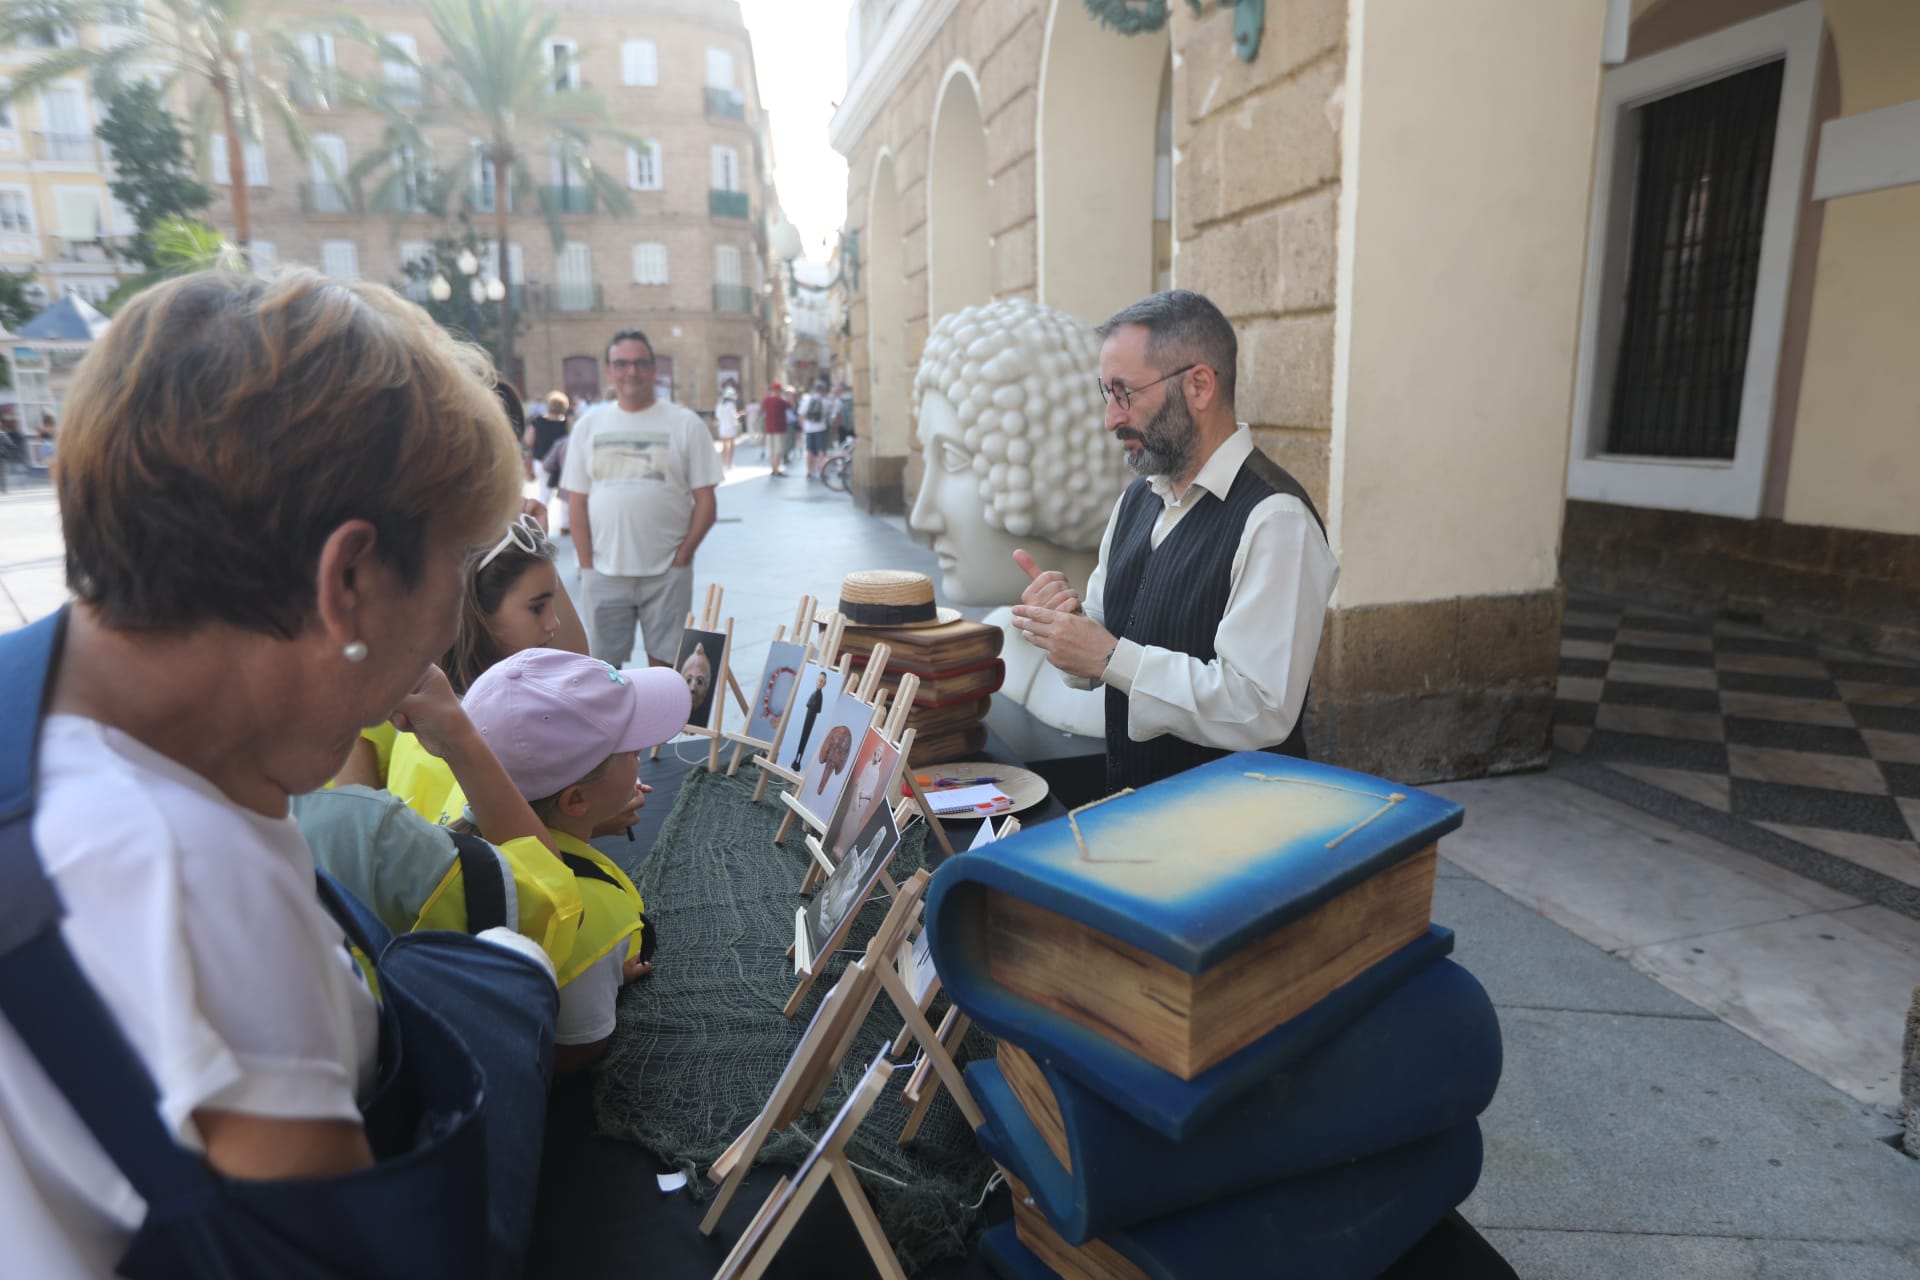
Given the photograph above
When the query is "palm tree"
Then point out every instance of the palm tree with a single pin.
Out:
(180, 246)
(235, 59)
(492, 84)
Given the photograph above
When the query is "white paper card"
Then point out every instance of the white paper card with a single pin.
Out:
(985, 836)
(920, 975)
(966, 799)
(670, 1182)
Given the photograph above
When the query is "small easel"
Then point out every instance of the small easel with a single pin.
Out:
(829, 1038)
(768, 762)
(901, 815)
(790, 1197)
(802, 628)
(866, 691)
(722, 679)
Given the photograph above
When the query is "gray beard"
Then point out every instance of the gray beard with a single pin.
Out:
(1166, 441)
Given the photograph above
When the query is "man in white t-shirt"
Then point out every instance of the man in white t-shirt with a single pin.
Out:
(640, 479)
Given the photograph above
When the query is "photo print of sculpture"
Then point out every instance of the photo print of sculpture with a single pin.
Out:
(867, 790)
(852, 882)
(769, 698)
(698, 663)
(816, 690)
(828, 758)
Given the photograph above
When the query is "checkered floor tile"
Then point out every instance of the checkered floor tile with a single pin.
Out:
(1814, 744)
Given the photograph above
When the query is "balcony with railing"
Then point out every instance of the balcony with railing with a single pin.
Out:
(325, 197)
(727, 104)
(568, 199)
(736, 298)
(728, 204)
(480, 199)
(571, 295)
(411, 197)
(67, 148)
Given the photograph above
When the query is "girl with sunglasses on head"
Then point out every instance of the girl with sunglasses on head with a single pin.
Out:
(513, 600)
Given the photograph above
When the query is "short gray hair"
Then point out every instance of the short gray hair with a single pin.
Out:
(1183, 327)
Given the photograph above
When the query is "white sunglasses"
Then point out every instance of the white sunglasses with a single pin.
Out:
(524, 533)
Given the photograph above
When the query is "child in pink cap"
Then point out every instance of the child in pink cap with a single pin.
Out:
(569, 731)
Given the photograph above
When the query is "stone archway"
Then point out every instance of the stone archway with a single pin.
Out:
(1098, 119)
(959, 259)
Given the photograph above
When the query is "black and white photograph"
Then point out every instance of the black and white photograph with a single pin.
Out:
(698, 663)
(770, 697)
(851, 883)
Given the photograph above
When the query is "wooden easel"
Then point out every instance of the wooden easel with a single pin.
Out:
(828, 655)
(922, 1086)
(722, 679)
(894, 730)
(828, 1040)
(801, 630)
(770, 1227)
(867, 691)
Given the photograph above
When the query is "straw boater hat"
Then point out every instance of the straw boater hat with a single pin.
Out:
(890, 598)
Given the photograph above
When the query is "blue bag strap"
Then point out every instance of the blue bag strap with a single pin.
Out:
(43, 994)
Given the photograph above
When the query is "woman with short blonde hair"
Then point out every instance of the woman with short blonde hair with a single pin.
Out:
(269, 491)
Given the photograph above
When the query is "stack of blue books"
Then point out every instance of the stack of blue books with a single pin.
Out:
(1231, 1042)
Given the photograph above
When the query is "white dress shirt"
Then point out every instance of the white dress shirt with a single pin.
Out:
(1283, 574)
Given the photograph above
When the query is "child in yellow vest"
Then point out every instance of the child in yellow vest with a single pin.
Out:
(569, 732)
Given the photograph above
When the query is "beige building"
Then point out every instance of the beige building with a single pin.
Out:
(59, 224)
(1457, 328)
(688, 265)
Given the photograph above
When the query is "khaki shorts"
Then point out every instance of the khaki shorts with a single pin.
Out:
(658, 605)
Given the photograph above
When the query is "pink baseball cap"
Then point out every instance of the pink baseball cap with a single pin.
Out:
(552, 717)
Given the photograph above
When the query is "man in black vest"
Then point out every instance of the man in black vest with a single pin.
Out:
(1203, 616)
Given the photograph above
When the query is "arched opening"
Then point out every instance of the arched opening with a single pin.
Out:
(886, 276)
(959, 262)
(1100, 111)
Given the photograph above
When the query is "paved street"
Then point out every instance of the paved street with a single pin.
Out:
(1701, 1046)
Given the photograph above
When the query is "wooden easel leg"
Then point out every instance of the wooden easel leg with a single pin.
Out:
(926, 811)
(861, 1211)
(786, 827)
(800, 990)
(811, 881)
(936, 1051)
(920, 1091)
(760, 787)
(733, 766)
(740, 1157)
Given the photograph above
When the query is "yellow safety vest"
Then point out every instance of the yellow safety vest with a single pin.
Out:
(611, 906)
(546, 903)
(420, 778)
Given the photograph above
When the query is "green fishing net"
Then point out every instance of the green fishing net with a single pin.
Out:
(700, 1044)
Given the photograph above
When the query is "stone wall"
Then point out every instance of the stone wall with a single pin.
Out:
(1850, 586)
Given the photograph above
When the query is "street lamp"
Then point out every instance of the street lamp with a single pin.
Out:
(440, 290)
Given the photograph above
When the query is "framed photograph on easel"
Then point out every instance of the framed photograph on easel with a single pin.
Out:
(822, 923)
(772, 697)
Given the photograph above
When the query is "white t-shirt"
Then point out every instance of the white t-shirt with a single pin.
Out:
(639, 471)
(807, 424)
(726, 416)
(197, 923)
(587, 1003)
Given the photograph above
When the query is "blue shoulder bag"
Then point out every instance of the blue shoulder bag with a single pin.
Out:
(456, 1122)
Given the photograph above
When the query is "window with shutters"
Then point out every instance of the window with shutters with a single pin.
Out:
(650, 264)
(416, 252)
(402, 72)
(643, 167)
(256, 158)
(563, 61)
(79, 213)
(726, 169)
(516, 263)
(726, 264)
(16, 210)
(327, 192)
(340, 259)
(573, 287)
(720, 70)
(639, 63)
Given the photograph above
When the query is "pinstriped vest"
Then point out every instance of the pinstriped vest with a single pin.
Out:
(1174, 597)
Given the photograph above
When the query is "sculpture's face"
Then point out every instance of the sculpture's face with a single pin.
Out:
(697, 671)
(976, 559)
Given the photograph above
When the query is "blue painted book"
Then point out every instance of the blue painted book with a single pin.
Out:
(1349, 1222)
(1186, 922)
(1426, 1059)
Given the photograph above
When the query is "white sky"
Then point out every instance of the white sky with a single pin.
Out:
(800, 57)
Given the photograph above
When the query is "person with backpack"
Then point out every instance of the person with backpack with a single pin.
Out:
(267, 490)
(813, 424)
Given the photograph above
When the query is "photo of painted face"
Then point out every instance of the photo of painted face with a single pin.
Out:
(699, 664)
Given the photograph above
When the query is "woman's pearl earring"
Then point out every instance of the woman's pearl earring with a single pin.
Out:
(355, 651)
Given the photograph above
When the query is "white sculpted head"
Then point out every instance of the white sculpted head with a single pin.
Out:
(1009, 418)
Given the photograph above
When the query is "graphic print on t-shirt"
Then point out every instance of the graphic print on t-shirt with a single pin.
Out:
(623, 456)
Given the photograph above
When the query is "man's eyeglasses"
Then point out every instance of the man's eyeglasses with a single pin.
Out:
(524, 533)
(629, 366)
(1122, 394)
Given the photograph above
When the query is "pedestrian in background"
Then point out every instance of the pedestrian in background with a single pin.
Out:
(773, 421)
(726, 416)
